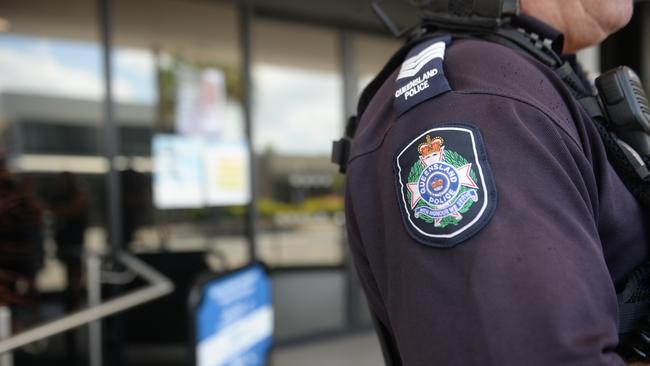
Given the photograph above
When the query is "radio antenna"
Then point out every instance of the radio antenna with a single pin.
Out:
(385, 19)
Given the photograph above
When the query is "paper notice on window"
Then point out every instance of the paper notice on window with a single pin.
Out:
(227, 172)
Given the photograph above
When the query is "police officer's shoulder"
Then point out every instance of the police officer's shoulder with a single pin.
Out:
(471, 66)
(477, 66)
(447, 94)
(437, 67)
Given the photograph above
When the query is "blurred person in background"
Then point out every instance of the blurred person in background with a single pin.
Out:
(69, 207)
(21, 239)
(136, 203)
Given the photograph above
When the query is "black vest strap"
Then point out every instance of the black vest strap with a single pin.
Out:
(634, 300)
(592, 106)
(393, 63)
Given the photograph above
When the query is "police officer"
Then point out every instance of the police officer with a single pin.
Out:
(485, 221)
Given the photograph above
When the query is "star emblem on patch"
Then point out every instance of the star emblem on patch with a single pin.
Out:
(445, 186)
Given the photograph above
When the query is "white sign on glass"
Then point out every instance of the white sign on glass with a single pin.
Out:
(200, 101)
(192, 172)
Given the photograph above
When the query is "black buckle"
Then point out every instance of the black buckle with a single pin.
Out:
(341, 148)
(341, 153)
(635, 160)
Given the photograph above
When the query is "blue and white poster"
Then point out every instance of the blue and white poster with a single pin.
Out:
(193, 172)
(234, 320)
(178, 172)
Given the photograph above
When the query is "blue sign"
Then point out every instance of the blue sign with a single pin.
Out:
(234, 320)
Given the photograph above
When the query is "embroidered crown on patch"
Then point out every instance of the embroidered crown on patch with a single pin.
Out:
(441, 184)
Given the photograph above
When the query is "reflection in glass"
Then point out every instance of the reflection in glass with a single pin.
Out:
(297, 113)
(182, 59)
(51, 95)
(370, 54)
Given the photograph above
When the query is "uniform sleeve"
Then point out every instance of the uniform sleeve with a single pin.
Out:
(530, 288)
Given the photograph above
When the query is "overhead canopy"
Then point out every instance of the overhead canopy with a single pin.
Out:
(202, 30)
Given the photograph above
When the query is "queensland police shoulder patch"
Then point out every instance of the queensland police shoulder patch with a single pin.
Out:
(421, 76)
(444, 185)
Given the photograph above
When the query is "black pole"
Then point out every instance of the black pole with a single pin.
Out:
(114, 329)
(626, 47)
(353, 301)
(348, 75)
(644, 9)
(111, 138)
(245, 15)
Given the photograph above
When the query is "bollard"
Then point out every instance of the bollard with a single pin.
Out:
(93, 273)
(7, 358)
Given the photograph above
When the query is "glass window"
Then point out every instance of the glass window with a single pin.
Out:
(51, 89)
(371, 53)
(52, 186)
(297, 114)
(176, 71)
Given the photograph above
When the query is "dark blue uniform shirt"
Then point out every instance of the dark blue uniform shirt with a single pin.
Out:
(521, 266)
